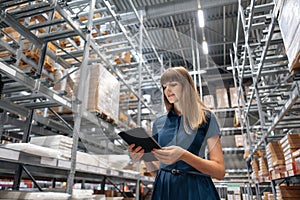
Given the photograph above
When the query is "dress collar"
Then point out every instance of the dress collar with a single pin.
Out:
(172, 113)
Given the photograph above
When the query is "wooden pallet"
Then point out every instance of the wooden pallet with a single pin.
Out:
(103, 116)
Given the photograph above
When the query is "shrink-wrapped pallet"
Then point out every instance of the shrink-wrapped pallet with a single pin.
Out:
(235, 100)
(209, 101)
(104, 92)
(222, 98)
(288, 21)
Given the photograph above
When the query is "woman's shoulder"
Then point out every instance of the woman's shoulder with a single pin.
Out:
(209, 115)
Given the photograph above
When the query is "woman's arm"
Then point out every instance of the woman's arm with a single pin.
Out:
(213, 167)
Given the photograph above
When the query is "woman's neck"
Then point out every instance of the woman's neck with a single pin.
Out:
(177, 109)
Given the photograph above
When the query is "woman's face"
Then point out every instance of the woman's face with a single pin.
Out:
(172, 91)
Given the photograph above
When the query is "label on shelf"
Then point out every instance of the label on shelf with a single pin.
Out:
(8, 69)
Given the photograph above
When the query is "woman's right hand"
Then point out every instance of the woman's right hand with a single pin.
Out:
(136, 153)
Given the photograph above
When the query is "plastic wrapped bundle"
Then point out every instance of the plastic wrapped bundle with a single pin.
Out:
(104, 92)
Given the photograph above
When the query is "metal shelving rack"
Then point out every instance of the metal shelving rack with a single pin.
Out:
(273, 101)
(30, 90)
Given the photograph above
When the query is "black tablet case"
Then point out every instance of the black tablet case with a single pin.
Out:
(140, 137)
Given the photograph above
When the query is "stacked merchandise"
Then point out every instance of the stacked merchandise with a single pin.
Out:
(296, 156)
(290, 145)
(85, 160)
(236, 100)
(275, 159)
(288, 21)
(209, 101)
(82, 194)
(104, 93)
(284, 192)
(268, 196)
(263, 172)
(25, 195)
(222, 98)
(58, 142)
(255, 169)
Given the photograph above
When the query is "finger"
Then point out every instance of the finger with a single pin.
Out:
(136, 150)
(131, 147)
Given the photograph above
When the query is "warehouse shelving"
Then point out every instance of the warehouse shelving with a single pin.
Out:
(274, 93)
(61, 22)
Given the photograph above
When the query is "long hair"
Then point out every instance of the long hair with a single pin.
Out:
(192, 108)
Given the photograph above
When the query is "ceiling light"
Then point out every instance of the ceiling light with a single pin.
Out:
(205, 47)
(201, 18)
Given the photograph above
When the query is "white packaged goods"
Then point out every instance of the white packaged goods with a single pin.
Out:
(235, 101)
(58, 142)
(52, 141)
(222, 98)
(288, 21)
(116, 161)
(104, 92)
(82, 194)
(209, 101)
(99, 197)
(34, 149)
(22, 195)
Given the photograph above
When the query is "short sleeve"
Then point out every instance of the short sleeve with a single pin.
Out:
(157, 125)
(213, 127)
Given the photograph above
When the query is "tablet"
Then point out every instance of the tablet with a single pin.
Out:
(140, 137)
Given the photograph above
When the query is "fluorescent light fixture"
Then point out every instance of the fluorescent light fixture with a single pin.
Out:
(205, 47)
(201, 18)
(202, 71)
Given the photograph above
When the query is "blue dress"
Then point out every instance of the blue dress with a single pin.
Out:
(181, 181)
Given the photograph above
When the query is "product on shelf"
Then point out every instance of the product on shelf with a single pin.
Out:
(58, 142)
(26, 195)
(222, 98)
(235, 100)
(290, 143)
(290, 31)
(103, 94)
(209, 101)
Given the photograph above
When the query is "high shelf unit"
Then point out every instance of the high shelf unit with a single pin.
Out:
(41, 38)
(271, 98)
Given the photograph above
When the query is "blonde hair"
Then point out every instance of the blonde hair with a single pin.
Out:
(192, 108)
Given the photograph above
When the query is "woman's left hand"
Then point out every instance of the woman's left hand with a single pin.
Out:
(169, 155)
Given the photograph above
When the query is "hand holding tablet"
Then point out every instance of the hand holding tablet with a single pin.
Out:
(140, 137)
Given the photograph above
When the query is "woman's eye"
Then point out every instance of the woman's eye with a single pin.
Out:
(173, 84)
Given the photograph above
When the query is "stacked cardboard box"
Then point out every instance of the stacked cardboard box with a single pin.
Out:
(268, 196)
(263, 169)
(222, 98)
(255, 169)
(209, 101)
(234, 98)
(275, 159)
(239, 142)
(284, 192)
(104, 93)
(290, 144)
(296, 156)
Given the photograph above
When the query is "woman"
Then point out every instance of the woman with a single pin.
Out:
(185, 133)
